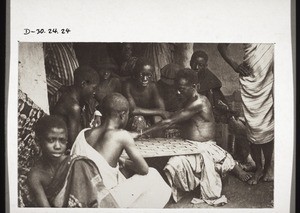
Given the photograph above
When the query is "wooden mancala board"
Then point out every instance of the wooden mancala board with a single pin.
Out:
(159, 147)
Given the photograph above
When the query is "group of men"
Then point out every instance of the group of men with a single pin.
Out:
(128, 110)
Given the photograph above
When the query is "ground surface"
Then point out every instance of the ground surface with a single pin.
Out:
(238, 193)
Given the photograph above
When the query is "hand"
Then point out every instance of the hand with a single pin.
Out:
(122, 162)
(242, 69)
(96, 122)
(165, 114)
(237, 126)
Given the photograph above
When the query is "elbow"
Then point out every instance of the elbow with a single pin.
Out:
(144, 171)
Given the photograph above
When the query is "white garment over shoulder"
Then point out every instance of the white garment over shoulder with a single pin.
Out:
(111, 175)
(138, 191)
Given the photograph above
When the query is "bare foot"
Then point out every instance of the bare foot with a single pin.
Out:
(241, 174)
(268, 176)
(248, 167)
(256, 177)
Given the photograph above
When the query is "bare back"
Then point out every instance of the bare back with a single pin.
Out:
(110, 143)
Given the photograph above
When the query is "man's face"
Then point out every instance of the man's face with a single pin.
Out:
(126, 51)
(198, 64)
(89, 90)
(145, 75)
(183, 87)
(54, 142)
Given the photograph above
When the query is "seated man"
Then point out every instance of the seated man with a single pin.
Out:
(109, 83)
(104, 145)
(143, 96)
(198, 125)
(166, 87)
(72, 102)
(58, 180)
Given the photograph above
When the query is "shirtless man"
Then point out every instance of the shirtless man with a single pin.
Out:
(51, 134)
(143, 95)
(195, 118)
(109, 82)
(74, 98)
(105, 144)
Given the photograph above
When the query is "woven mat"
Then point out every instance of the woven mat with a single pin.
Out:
(159, 147)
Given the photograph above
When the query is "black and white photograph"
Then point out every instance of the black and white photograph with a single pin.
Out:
(153, 106)
(145, 125)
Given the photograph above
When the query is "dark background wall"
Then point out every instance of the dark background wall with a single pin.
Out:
(87, 52)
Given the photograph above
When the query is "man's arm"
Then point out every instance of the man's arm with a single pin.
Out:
(177, 117)
(241, 69)
(135, 110)
(136, 163)
(37, 189)
(73, 122)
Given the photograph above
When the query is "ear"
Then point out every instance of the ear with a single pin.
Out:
(196, 86)
(122, 115)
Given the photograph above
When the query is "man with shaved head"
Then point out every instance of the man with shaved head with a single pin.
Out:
(105, 144)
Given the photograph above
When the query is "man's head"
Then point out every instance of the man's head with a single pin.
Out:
(126, 51)
(105, 67)
(168, 73)
(115, 105)
(185, 81)
(143, 72)
(198, 61)
(87, 79)
(52, 134)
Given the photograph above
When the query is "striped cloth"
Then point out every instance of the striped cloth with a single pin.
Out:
(160, 54)
(257, 92)
(60, 64)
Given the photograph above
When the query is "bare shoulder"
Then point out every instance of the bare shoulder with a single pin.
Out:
(152, 85)
(119, 135)
(35, 174)
(128, 83)
(202, 101)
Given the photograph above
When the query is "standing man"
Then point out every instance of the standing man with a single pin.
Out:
(256, 85)
(210, 86)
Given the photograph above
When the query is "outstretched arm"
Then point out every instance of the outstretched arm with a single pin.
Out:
(177, 117)
(73, 122)
(136, 163)
(239, 68)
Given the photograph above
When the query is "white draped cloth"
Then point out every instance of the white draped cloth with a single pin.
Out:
(257, 92)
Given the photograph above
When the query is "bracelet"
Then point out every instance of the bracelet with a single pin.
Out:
(97, 113)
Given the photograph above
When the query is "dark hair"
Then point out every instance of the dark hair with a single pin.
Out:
(140, 63)
(47, 122)
(114, 103)
(198, 54)
(87, 74)
(188, 74)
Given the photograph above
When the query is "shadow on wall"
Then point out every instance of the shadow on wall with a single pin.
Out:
(220, 68)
